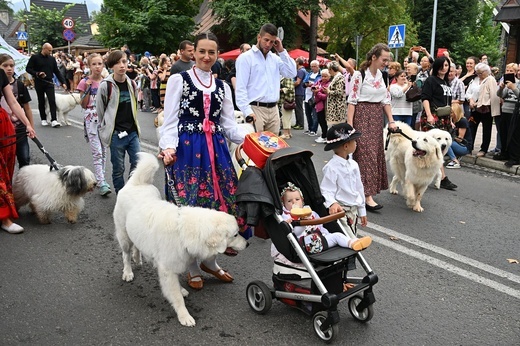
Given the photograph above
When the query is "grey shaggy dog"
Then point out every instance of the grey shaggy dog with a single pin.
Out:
(49, 191)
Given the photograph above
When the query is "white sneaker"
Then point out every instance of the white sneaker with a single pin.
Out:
(45, 123)
(13, 229)
(320, 140)
(312, 133)
(453, 164)
(54, 123)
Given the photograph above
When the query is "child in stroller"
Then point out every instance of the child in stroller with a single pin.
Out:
(314, 239)
(316, 283)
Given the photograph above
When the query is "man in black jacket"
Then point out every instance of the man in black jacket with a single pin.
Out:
(42, 66)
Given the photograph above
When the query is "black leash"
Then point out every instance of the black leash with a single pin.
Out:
(395, 131)
(170, 182)
(54, 164)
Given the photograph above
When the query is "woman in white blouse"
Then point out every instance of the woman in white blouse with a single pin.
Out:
(198, 117)
(401, 109)
(368, 99)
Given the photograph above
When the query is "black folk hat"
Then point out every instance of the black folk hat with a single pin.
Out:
(339, 134)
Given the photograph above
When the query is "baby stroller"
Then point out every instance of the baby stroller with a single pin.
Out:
(319, 287)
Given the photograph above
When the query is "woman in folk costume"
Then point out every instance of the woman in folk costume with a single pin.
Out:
(198, 117)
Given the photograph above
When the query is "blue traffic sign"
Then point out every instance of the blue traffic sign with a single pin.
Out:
(69, 35)
(22, 35)
(396, 34)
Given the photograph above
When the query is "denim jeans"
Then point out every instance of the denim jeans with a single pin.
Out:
(312, 118)
(407, 119)
(457, 150)
(22, 147)
(118, 149)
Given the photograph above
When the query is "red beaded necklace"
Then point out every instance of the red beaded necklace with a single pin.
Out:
(205, 86)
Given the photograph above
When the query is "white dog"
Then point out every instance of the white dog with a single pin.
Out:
(172, 237)
(415, 163)
(445, 140)
(49, 191)
(64, 104)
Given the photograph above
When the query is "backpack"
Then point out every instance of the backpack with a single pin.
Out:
(385, 76)
(109, 90)
(21, 89)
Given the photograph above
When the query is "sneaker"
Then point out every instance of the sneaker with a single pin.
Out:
(306, 132)
(320, 140)
(45, 123)
(312, 133)
(453, 164)
(104, 189)
(447, 184)
(297, 127)
(54, 123)
(13, 229)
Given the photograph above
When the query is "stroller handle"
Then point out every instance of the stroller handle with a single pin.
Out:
(242, 163)
(321, 220)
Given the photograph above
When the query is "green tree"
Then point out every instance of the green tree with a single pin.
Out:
(45, 25)
(371, 19)
(6, 5)
(240, 20)
(146, 25)
(480, 37)
(453, 18)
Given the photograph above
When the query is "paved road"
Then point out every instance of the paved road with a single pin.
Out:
(444, 275)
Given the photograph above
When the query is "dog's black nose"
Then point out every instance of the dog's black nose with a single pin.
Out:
(443, 146)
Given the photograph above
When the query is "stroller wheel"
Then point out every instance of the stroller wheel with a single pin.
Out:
(364, 315)
(259, 297)
(330, 333)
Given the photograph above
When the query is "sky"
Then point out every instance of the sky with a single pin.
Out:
(92, 5)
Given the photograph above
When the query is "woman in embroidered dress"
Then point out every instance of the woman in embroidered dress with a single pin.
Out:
(8, 154)
(198, 117)
(368, 98)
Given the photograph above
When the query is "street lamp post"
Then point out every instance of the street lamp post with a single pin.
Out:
(434, 25)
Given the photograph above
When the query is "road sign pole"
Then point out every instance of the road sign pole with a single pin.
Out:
(396, 54)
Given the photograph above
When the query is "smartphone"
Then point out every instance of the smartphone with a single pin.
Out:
(416, 48)
(509, 77)
(413, 78)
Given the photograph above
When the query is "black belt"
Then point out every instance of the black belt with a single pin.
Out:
(263, 104)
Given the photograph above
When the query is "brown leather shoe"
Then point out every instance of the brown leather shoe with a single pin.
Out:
(221, 274)
(196, 285)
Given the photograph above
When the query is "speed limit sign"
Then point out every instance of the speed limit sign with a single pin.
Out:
(68, 23)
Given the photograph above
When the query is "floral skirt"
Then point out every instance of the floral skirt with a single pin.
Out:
(370, 152)
(7, 161)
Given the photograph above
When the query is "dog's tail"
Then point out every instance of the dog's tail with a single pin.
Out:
(144, 173)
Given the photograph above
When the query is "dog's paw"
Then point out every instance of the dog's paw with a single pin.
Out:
(394, 191)
(128, 276)
(186, 320)
(437, 186)
(184, 292)
(418, 208)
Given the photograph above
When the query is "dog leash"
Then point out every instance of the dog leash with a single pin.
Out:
(53, 162)
(395, 131)
(170, 182)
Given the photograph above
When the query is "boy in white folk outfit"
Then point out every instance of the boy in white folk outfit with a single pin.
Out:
(341, 185)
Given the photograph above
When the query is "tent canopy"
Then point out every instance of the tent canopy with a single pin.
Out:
(232, 54)
(300, 53)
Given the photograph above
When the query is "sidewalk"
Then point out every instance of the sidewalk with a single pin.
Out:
(487, 161)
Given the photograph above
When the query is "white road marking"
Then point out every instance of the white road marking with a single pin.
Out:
(444, 265)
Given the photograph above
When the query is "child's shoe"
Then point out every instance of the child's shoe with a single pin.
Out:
(104, 189)
(361, 243)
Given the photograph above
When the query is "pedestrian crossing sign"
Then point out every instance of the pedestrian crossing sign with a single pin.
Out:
(396, 36)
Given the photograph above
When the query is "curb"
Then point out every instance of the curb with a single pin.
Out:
(490, 163)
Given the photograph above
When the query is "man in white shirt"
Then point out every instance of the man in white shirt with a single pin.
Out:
(258, 79)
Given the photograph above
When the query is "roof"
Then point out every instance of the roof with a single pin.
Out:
(509, 12)
(78, 12)
(9, 30)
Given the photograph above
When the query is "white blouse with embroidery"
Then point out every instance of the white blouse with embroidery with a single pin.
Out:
(373, 88)
(169, 130)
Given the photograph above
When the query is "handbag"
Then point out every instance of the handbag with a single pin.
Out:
(289, 105)
(311, 102)
(414, 93)
(484, 109)
(443, 111)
